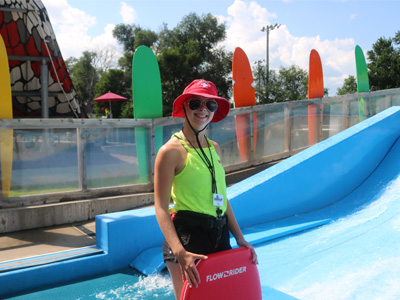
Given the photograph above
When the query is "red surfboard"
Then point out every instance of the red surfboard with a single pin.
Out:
(227, 274)
(315, 90)
(243, 95)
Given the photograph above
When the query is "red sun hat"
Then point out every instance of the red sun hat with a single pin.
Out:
(206, 89)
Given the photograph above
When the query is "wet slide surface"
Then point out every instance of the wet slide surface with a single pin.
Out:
(325, 224)
(355, 256)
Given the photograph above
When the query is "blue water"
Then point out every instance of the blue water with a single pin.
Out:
(356, 256)
(124, 285)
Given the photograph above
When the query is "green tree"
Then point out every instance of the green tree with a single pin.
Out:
(187, 52)
(293, 83)
(260, 81)
(117, 82)
(384, 63)
(190, 51)
(70, 64)
(349, 86)
(144, 37)
(131, 37)
(84, 76)
(287, 84)
(125, 35)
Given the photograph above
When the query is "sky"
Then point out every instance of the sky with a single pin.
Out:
(332, 27)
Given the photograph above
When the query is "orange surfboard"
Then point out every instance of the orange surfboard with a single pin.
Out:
(229, 274)
(243, 95)
(315, 90)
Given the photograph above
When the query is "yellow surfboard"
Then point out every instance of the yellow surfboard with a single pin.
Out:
(6, 135)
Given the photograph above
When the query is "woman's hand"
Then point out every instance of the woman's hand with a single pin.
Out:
(187, 262)
(244, 243)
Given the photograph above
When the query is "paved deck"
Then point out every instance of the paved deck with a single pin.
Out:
(34, 242)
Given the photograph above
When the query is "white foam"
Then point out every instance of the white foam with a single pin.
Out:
(150, 287)
(153, 286)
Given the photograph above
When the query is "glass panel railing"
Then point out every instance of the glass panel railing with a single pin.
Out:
(354, 117)
(299, 121)
(110, 157)
(169, 130)
(90, 154)
(224, 133)
(44, 161)
(270, 132)
(395, 100)
(381, 103)
(334, 119)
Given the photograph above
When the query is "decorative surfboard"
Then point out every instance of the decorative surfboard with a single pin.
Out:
(147, 104)
(6, 135)
(243, 95)
(315, 90)
(227, 274)
(362, 80)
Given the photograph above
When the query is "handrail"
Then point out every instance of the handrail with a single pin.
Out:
(289, 119)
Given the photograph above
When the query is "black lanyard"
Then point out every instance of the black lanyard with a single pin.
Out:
(209, 164)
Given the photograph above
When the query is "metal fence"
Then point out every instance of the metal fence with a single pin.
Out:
(56, 160)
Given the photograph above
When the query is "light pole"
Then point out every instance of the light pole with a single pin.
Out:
(267, 29)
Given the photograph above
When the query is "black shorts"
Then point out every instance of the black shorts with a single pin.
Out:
(198, 234)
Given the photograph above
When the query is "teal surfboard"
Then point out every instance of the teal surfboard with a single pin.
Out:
(147, 104)
(362, 80)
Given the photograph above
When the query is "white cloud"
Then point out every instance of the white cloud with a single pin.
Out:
(128, 13)
(244, 27)
(353, 17)
(107, 43)
(71, 26)
(244, 22)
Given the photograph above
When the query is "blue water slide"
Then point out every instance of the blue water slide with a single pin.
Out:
(318, 176)
(355, 255)
(301, 214)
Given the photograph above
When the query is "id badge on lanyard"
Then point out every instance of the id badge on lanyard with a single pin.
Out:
(218, 200)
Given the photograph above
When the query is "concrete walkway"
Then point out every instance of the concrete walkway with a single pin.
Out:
(28, 243)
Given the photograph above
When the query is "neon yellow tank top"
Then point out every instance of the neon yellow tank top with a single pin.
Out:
(191, 188)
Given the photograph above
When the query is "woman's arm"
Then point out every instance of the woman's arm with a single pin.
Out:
(167, 161)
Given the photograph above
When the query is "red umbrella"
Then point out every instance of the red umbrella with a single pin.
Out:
(110, 97)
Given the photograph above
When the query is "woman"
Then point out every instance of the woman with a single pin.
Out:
(189, 170)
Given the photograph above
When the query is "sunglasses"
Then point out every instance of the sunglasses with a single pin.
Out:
(211, 105)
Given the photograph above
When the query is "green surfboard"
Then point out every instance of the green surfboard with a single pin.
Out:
(362, 80)
(147, 104)
(6, 135)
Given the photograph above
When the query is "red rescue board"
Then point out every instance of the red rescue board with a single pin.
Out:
(227, 274)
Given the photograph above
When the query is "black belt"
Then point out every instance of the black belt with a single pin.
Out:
(200, 220)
